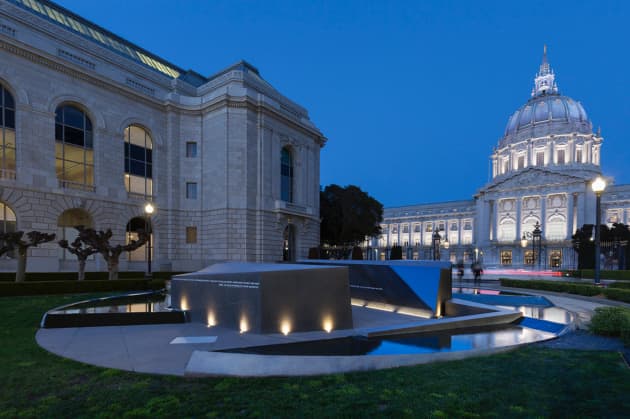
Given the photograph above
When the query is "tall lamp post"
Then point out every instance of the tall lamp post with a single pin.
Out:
(598, 185)
(148, 211)
(436, 245)
(537, 243)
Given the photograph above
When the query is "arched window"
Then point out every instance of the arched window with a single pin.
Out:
(556, 227)
(66, 230)
(73, 148)
(286, 173)
(138, 161)
(135, 224)
(7, 134)
(507, 230)
(8, 224)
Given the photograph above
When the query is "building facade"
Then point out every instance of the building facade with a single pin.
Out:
(542, 169)
(93, 127)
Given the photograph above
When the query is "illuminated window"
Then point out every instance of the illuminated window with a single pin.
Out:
(191, 149)
(66, 223)
(521, 162)
(138, 161)
(191, 235)
(578, 155)
(406, 228)
(506, 257)
(560, 156)
(540, 158)
(286, 175)
(74, 154)
(191, 190)
(7, 224)
(528, 257)
(507, 230)
(416, 228)
(7, 134)
(133, 227)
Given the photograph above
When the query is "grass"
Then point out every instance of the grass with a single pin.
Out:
(523, 383)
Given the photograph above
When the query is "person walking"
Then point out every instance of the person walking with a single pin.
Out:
(477, 271)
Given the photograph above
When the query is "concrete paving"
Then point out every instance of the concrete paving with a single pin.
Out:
(147, 348)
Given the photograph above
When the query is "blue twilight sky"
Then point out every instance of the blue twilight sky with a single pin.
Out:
(412, 95)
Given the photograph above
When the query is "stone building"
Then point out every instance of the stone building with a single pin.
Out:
(93, 127)
(542, 169)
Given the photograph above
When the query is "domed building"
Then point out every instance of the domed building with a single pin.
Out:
(542, 169)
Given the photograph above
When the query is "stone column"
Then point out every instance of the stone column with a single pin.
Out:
(543, 215)
(518, 218)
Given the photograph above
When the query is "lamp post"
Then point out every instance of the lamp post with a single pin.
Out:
(537, 243)
(436, 245)
(598, 185)
(148, 211)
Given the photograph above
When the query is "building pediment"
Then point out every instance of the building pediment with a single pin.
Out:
(534, 178)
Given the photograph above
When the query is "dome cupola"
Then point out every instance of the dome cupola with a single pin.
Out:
(549, 130)
(547, 111)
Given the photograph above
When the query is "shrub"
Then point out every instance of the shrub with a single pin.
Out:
(617, 294)
(611, 321)
(357, 253)
(74, 286)
(620, 284)
(395, 253)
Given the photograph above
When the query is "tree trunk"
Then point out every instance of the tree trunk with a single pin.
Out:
(81, 269)
(112, 267)
(21, 265)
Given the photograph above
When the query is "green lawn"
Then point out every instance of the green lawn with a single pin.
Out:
(524, 383)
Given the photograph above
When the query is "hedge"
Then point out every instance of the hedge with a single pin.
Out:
(617, 294)
(612, 292)
(570, 287)
(620, 284)
(89, 276)
(590, 273)
(76, 287)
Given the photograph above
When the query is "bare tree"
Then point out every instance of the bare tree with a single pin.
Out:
(78, 249)
(12, 241)
(99, 240)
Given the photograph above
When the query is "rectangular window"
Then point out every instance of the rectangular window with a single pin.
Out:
(560, 156)
(521, 162)
(506, 257)
(191, 190)
(540, 158)
(578, 155)
(191, 149)
(191, 235)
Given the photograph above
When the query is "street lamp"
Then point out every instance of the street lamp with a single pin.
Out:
(436, 245)
(598, 185)
(148, 211)
(537, 243)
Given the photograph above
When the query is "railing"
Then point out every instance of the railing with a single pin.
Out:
(291, 208)
(74, 185)
(7, 174)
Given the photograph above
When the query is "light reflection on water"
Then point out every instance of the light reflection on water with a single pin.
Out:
(460, 342)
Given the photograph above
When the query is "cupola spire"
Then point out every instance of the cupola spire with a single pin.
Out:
(545, 82)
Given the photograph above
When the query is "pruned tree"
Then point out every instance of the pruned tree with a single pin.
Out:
(99, 240)
(14, 241)
(81, 250)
